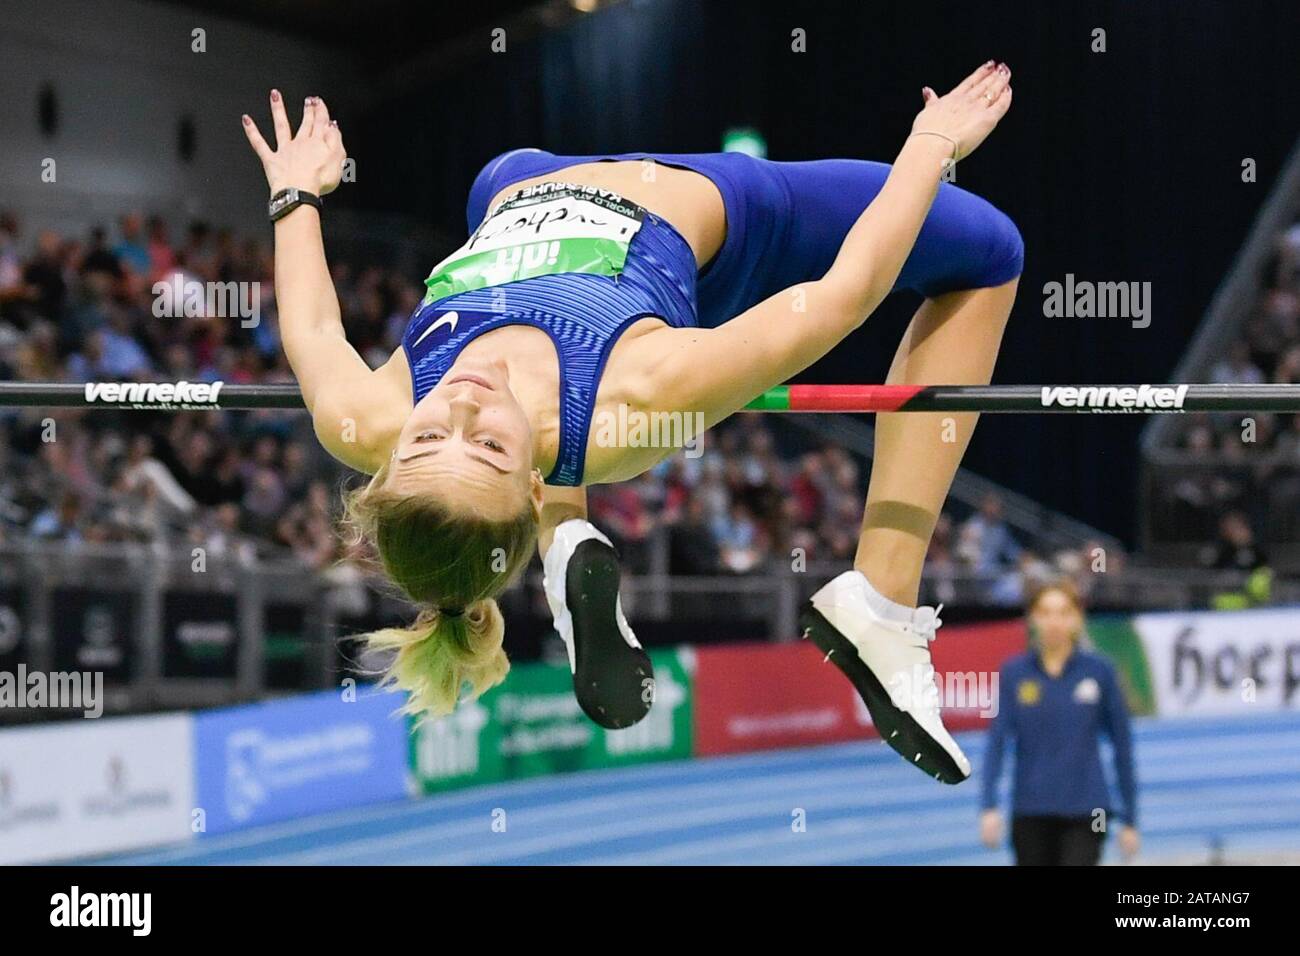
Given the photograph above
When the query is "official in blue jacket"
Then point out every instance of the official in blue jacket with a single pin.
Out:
(1055, 702)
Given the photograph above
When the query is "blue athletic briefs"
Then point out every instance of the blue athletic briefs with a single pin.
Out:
(785, 225)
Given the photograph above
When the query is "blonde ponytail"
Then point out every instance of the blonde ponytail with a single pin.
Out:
(441, 560)
(441, 658)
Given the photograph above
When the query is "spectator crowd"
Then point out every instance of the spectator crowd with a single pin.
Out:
(75, 310)
(1236, 488)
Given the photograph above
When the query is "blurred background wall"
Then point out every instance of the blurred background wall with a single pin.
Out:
(132, 115)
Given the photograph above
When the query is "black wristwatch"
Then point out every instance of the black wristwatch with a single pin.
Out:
(287, 200)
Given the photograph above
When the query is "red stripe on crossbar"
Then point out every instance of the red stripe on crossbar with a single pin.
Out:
(851, 398)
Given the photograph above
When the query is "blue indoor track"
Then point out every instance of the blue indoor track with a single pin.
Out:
(1227, 783)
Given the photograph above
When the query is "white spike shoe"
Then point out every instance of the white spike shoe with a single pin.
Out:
(889, 664)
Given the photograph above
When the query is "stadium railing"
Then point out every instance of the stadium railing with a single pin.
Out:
(167, 630)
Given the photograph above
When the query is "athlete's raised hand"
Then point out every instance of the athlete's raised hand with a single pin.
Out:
(968, 114)
(310, 159)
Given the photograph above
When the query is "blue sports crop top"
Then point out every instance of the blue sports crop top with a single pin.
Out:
(583, 313)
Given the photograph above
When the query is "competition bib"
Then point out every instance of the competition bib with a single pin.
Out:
(542, 230)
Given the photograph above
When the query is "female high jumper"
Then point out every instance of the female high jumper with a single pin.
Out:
(645, 284)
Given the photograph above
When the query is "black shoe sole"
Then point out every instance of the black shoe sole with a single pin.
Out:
(613, 681)
(897, 727)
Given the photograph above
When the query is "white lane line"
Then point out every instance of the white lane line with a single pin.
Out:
(1231, 805)
(788, 789)
(611, 780)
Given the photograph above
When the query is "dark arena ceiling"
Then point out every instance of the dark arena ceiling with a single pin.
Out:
(378, 32)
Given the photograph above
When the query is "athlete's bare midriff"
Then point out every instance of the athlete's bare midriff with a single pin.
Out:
(690, 202)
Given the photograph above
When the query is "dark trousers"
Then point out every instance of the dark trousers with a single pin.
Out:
(1055, 841)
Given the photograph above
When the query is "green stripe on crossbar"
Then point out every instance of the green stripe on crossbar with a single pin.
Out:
(773, 400)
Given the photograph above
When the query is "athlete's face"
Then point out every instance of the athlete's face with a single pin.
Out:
(1056, 620)
(469, 440)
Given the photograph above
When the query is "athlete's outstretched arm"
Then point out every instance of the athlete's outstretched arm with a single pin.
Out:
(718, 371)
(330, 373)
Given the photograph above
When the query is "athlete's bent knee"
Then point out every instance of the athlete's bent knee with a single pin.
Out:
(968, 243)
(1006, 249)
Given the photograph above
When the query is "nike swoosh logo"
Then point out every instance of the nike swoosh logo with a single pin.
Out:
(447, 318)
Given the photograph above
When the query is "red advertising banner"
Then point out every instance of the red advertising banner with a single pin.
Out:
(967, 659)
(767, 696)
(763, 696)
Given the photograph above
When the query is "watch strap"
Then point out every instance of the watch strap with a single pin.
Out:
(287, 200)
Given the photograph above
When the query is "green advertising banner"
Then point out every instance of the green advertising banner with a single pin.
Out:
(532, 725)
(1115, 636)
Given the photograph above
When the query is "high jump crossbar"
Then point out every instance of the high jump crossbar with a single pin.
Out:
(1022, 399)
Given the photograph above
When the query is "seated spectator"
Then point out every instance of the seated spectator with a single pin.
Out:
(1236, 368)
(227, 484)
(617, 510)
(1288, 256)
(740, 544)
(939, 558)
(197, 255)
(986, 542)
(12, 286)
(162, 257)
(47, 289)
(87, 310)
(692, 548)
(1288, 441)
(296, 470)
(806, 488)
(264, 500)
(142, 468)
(122, 356)
(61, 523)
(308, 530)
(98, 259)
(222, 536)
(677, 488)
(1288, 367)
(1235, 549)
(131, 250)
(37, 358)
(1014, 584)
(1272, 328)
